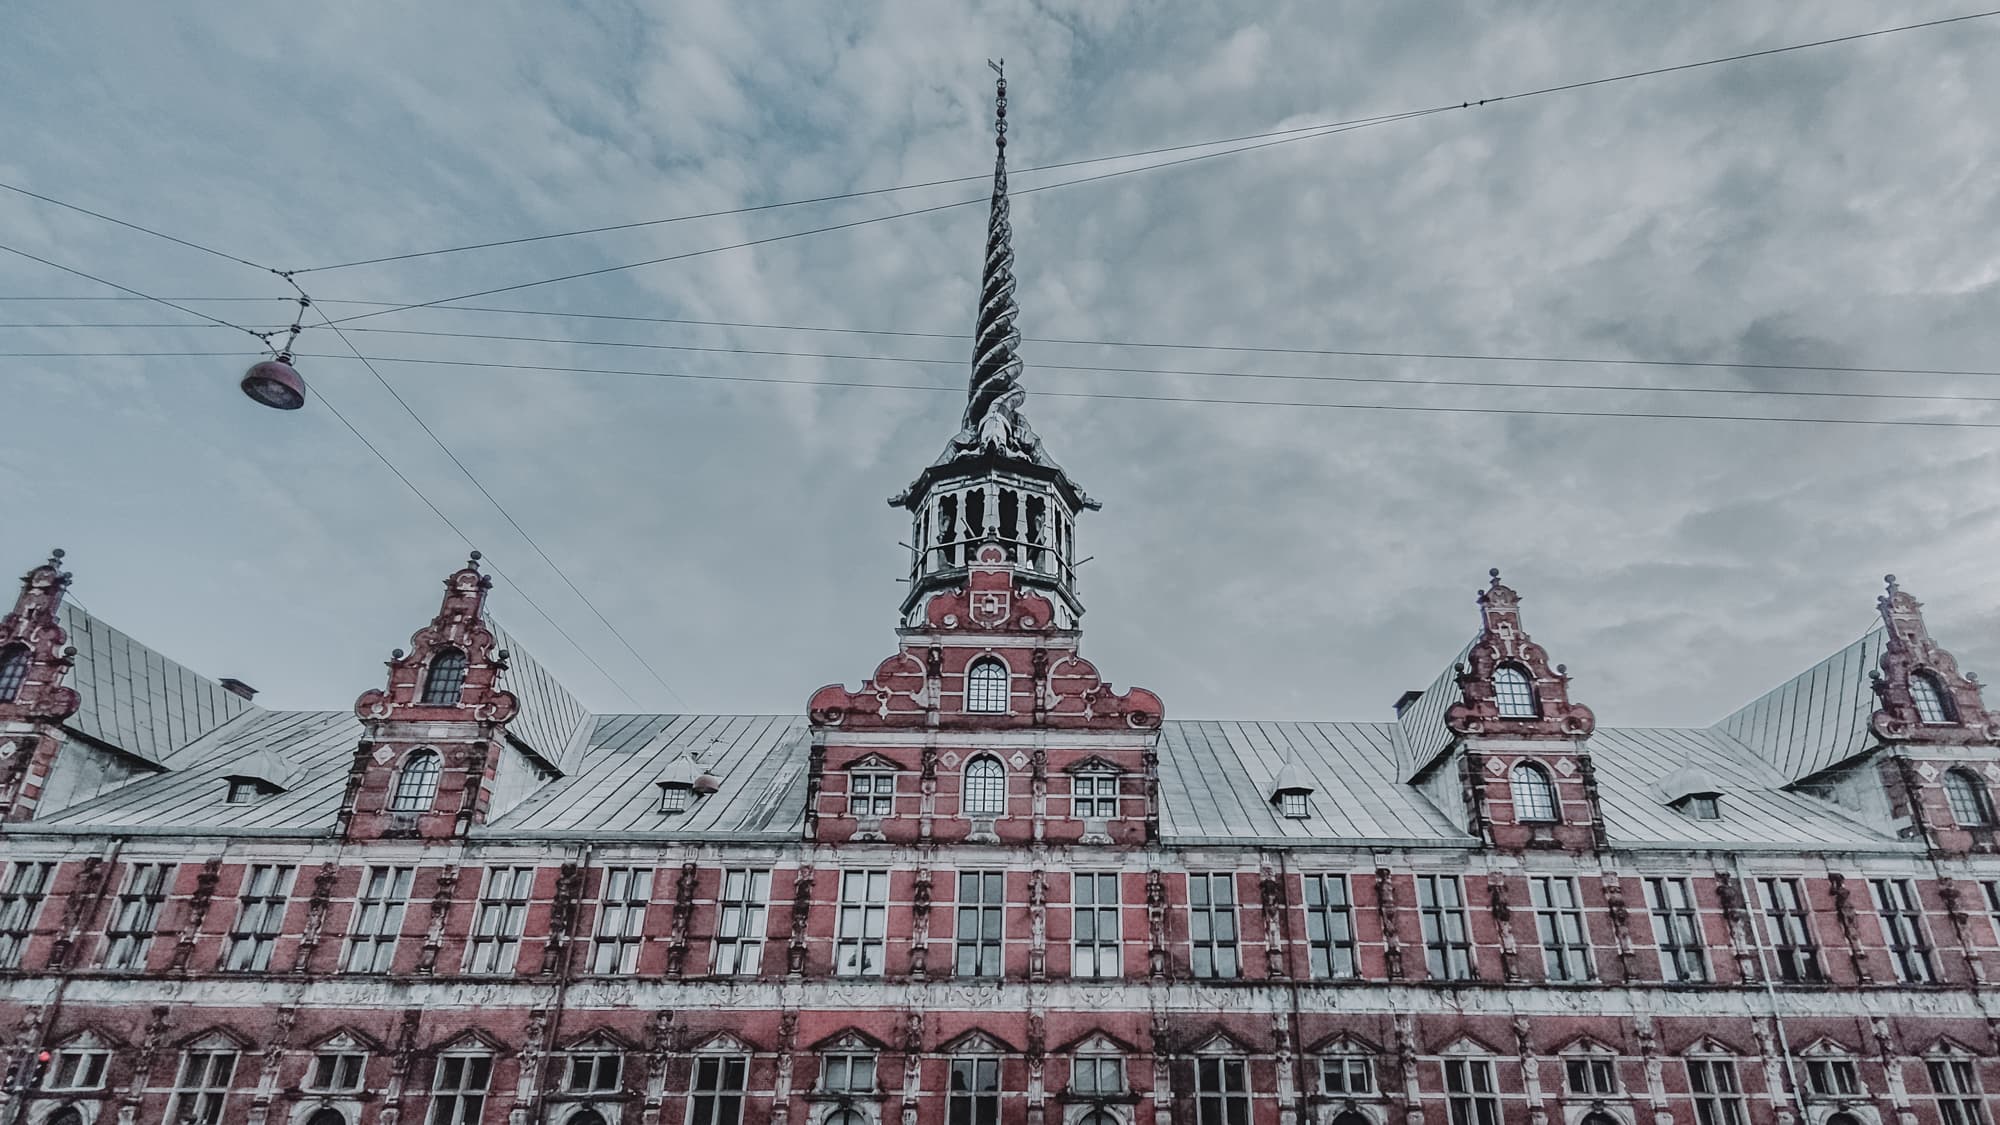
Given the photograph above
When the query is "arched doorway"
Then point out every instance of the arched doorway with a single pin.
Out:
(1842, 1119)
(1098, 1117)
(327, 1116)
(67, 1115)
(586, 1117)
(1596, 1118)
(846, 1115)
(1351, 1117)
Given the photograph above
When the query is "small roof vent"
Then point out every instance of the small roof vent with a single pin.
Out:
(237, 687)
(1404, 700)
(1689, 781)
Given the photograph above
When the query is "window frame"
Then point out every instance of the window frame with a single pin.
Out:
(593, 1063)
(135, 919)
(1097, 1064)
(1092, 792)
(1955, 1088)
(417, 781)
(1349, 1064)
(375, 928)
(871, 794)
(1332, 952)
(979, 925)
(1715, 1087)
(1515, 700)
(498, 919)
(1677, 932)
(742, 903)
(982, 788)
(1900, 909)
(22, 897)
(1933, 704)
(847, 1062)
(331, 1061)
(14, 661)
(1533, 793)
(208, 1092)
(972, 1103)
(1222, 1090)
(861, 923)
(260, 917)
(1599, 1071)
(1471, 1090)
(618, 933)
(1090, 947)
(444, 678)
(1448, 952)
(1968, 797)
(1833, 1076)
(1560, 925)
(91, 1065)
(462, 1102)
(980, 682)
(1797, 955)
(1215, 949)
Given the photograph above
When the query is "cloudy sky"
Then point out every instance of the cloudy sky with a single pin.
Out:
(1833, 206)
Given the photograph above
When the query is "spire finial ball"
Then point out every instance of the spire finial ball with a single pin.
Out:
(1493, 572)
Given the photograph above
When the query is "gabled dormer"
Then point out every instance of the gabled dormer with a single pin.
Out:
(34, 657)
(429, 754)
(1943, 768)
(1521, 742)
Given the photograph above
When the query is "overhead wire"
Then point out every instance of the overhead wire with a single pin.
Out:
(135, 226)
(1292, 132)
(71, 270)
(508, 516)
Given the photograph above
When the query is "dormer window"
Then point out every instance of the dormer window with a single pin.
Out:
(246, 791)
(1296, 804)
(1971, 804)
(1292, 792)
(13, 671)
(1701, 806)
(446, 679)
(1933, 706)
(674, 797)
(417, 785)
(1534, 795)
(986, 686)
(1512, 693)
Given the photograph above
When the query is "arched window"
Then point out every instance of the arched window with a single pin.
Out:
(1933, 706)
(1534, 796)
(417, 787)
(1513, 692)
(986, 685)
(985, 788)
(1971, 804)
(446, 679)
(13, 671)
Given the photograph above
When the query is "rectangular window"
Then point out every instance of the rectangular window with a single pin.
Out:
(862, 925)
(1559, 921)
(496, 927)
(1330, 927)
(20, 903)
(1833, 1078)
(378, 920)
(1718, 1096)
(1991, 889)
(974, 1098)
(852, 1074)
(337, 1072)
(1222, 1091)
(719, 1085)
(1447, 941)
(136, 915)
(1094, 927)
(621, 919)
(1957, 1088)
(982, 913)
(260, 917)
(458, 1093)
(1097, 1075)
(593, 1072)
(1902, 914)
(1593, 1076)
(1096, 796)
(201, 1087)
(1353, 1075)
(1469, 1092)
(871, 794)
(81, 1069)
(739, 922)
(1677, 929)
(1212, 924)
(1785, 913)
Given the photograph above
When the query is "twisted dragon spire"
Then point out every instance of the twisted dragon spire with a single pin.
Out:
(992, 409)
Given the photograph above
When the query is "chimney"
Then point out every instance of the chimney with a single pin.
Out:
(1403, 701)
(238, 687)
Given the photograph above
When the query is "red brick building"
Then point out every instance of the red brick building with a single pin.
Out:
(987, 885)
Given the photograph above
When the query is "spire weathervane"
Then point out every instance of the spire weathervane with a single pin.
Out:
(992, 409)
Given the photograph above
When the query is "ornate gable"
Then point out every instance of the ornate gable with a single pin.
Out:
(1914, 664)
(34, 643)
(458, 628)
(1504, 649)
